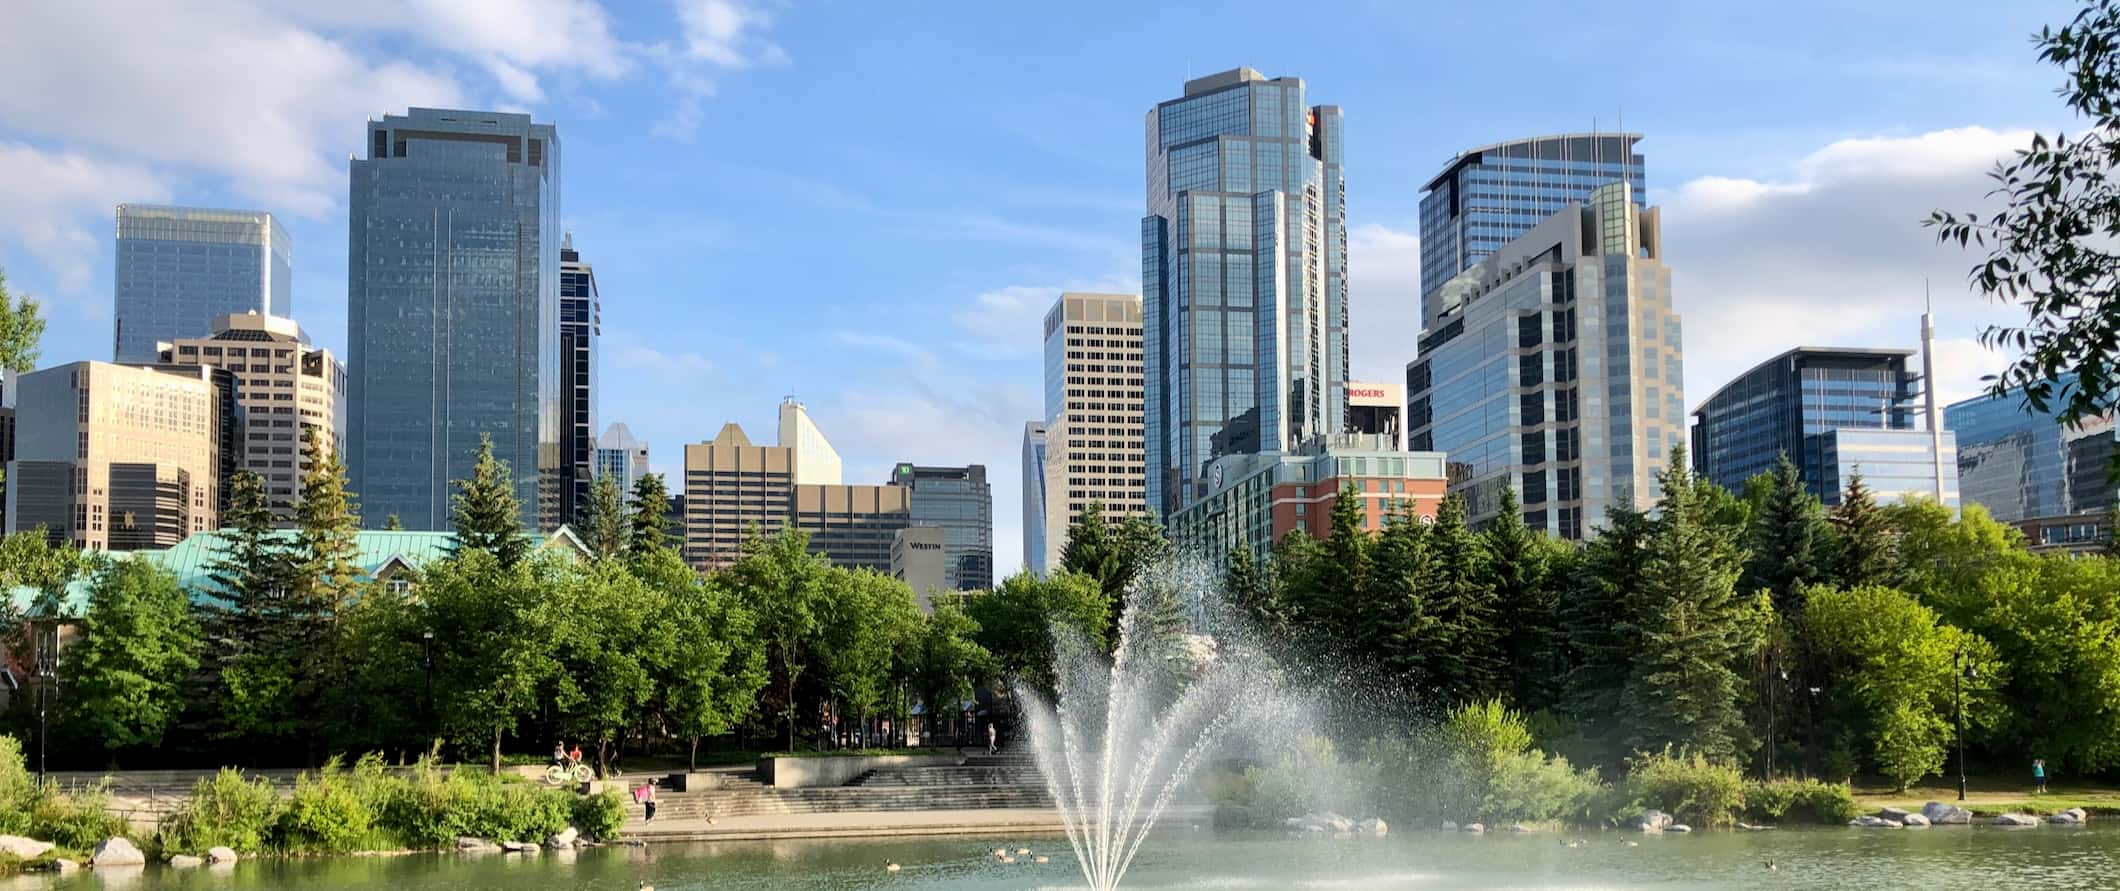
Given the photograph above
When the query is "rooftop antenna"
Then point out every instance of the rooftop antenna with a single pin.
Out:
(1928, 381)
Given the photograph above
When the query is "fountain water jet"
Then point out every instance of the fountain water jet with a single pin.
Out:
(1121, 737)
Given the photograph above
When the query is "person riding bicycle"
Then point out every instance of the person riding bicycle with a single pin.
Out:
(574, 755)
(559, 753)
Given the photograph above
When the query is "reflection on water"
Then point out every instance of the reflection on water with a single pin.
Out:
(1933, 859)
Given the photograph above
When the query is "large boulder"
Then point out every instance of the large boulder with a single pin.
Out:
(1942, 814)
(471, 844)
(116, 851)
(564, 838)
(1474, 827)
(1891, 813)
(221, 854)
(1678, 827)
(1372, 826)
(63, 866)
(1915, 821)
(2074, 816)
(1874, 822)
(185, 861)
(23, 848)
(2016, 820)
(1652, 821)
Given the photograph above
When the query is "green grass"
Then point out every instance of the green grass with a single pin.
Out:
(1991, 795)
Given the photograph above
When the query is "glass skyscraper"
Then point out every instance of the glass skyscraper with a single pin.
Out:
(2021, 464)
(1786, 404)
(1243, 276)
(180, 269)
(958, 501)
(1034, 498)
(453, 311)
(1490, 195)
(580, 328)
(621, 457)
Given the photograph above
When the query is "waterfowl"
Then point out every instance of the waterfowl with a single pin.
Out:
(1041, 858)
(890, 866)
(1021, 851)
(1769, 864)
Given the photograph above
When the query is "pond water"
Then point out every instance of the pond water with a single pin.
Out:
(1932, 859)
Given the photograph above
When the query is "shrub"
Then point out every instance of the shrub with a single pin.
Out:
(18, 790)
(600, 816)
(502, 811)
(326, 814)
(79, 819)
(1308, 778)
(1480, 765)
(225, 809)
(1800, 800)
(1690, 787)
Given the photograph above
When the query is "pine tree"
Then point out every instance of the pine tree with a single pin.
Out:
(486, 513)
(393, 524)
(1334, 598)
(253, 575)
(1696, 631)
(1525, 607)
(604, 521)
(327, 544)
(1601, 624)
(1469, 667)
(1251, 590)
(1786, 540)
(1406, 646)
(1864, 555)
(648, 529)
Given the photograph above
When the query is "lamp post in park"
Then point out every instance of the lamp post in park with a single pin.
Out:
(1959, 674)
(46, 673)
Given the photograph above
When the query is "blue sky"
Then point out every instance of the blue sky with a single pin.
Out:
(869, 206)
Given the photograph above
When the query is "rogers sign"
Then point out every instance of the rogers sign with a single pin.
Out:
(1365, 392)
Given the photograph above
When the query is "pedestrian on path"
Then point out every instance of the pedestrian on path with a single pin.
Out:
(646, 796)
(2039, 776)
(993, 739)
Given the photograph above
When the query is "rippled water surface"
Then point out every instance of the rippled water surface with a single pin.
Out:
(1931, 859)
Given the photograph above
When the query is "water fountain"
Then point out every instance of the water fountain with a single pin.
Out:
(1121, 736)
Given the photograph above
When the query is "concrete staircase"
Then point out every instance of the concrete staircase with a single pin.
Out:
(978, 784)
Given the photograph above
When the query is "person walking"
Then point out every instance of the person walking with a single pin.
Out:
(647, 801)
(2039, 776)
(993, 739)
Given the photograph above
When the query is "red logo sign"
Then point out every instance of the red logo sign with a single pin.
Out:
(1365, 392)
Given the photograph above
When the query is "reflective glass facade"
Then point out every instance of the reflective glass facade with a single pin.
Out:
(1034, 498)
(180, 269)
(1895, 464)
(1244, 277)
(958, 501)
(2021, 464)
(453, 311)
(1489, 196)
(580, 327)
(1556, 369)
(1786, 404)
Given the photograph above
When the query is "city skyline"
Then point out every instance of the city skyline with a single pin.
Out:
(886, 389)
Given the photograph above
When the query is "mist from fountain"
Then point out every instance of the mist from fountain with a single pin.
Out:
(1185, 684)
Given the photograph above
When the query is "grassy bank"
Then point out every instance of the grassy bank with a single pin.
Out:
(1992, 794)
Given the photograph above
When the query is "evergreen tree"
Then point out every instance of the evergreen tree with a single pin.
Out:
(1113, 553)
(486, 513)
(1696, 631)
(393, 524)
(1525, 606)
(1339, 582)
(1406, 647)
(1460, 588)
(605, 526)
(1864, 553)
(1295, 559)
(1601, 624)
(253, 573)
(2112, 531)
(1254, 594)
(1787, 538)
(648, 529)
(329, 580)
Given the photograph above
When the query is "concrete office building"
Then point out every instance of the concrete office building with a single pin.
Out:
(733, 488)
(853, 526)
(917, 560)
(118, 458)
(1243, 276)
(1253, 500)
(1376, 409)
(621, 457)
(1787, 405)
(2025, 465)
(1035, 558)
(1554, 366)
(580, 329)
(453, 311)
(286, 387)
(816, 462)
(181, 268)
(1093, 448)
(958, 501)
(1492, 195)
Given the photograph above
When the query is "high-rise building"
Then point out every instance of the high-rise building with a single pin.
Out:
(1243, 276)
(1896, 465)
(621, 457)
(853, 526)
(181, 268)
(816, 462)
(916, 560)
(580, 328)
(1554, 366)
(1786, 405)
(1093, 450)
(2025, 465)
(1491, 195)
(119, 458)
(453, 317)
(7, 434)
(1376, 409)
(734, 488)
(1254, 500)
(1034, 556)
(286, 388)
(958, 501)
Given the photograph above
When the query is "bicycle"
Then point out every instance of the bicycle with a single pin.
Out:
(563, 774)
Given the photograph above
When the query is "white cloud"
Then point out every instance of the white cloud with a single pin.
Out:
(886, 345)
(53, 198)
(1384, 266)
(1832, 254)
(630, 351)
(727, 33)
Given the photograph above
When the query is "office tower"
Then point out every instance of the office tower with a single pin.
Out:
(916, 560)
(1375, 409)
(1787, 404)
(181, 268)
(958, 501)
(7, 435)
(1254, 500)
(118, 458)
(1034, 556)
(734, 489)
(580, 328)
(1243, 275)
(621, 457)
(816, 462)
(1554, 366)
(453, 311)
(2025, 465)
(1093, 449)
(1491, 195)
(853, 526)
(286, 388)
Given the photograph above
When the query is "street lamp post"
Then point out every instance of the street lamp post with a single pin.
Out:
(47, 674)
(1810, 729)
(427, 666)
(1960, 672)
